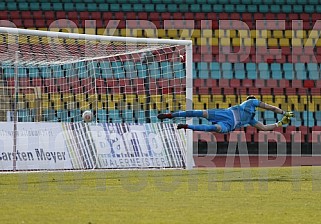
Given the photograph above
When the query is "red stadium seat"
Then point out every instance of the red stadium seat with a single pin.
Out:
(283, 83)
(224, 83)
(271, 83)
(247, 83)
(235, 83)
(297, 83)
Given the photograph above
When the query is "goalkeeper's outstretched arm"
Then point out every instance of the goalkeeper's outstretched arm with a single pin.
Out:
(276, 109)
(271, 127)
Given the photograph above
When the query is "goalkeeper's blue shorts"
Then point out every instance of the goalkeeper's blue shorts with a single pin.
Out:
(222, 117)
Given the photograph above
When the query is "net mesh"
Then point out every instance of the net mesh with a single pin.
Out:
(119, 81)
(52, 80)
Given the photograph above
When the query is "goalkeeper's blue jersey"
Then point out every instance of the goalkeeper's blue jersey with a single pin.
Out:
(245, 112)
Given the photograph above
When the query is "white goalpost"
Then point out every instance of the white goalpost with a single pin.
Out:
(48, 79)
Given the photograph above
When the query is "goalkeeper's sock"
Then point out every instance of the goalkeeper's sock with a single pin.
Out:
(189, 113)
(207, 128)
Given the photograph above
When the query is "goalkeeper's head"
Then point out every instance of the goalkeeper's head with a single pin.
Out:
(250, 97)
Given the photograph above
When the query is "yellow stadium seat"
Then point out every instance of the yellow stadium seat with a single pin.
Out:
(101, 31)
(172, 33)
(161, 33)
(261, 42)
(203, 41)
(284, 42)
(225, 41)
(293, 99)
(90, 31)
(313, 34)
(248, 42)
(263, 33)
(244, 34)
(207, 33)
(267, 99)
(185, 34)
(216, 33)
(296, 42)
(253, 33)
(273, 42)
(231, 99)
(236, 42)
(196, 33)
(299, 34)
(214, 41)
(278, 34)
(288, 34)
(198, 106)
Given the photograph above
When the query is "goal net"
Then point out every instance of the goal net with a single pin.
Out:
(48, 79)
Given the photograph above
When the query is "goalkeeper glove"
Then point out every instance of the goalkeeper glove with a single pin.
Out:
(284, 120)
(288, 113)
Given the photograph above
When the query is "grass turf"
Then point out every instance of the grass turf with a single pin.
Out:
(256, 195)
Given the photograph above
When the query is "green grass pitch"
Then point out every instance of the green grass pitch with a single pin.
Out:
(222, 195)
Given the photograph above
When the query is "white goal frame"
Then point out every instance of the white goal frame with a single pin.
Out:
(188, 60)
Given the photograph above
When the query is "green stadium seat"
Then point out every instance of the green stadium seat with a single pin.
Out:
(63, 116)
(161, 8)
(251, 70)
(291, 2)
(141, 70)
(275, 8)
(215, 70)
(206, 8)
(104, 7)
(114, 7)
(140, 7)
(49, 115)
(93, 7)
(297, 8)
(12, 6)
(45, 72)
(126, 8)
(22, 72)
(183, 8)
(140, 115)
(239, 70)
(117, 68)
(80, 7)
(23, 6)
(241, 8)
(172, 7)
(264, 8)
(3, 6)
(195, 8)
(229, 8)
(69, 6)
(257, 2)
(33, 72)
(218, 8)
(58, 6)
(309, 8)
(280, 2)
(114, 116)
(227, 71)
(167, 71)
(102, 116)
(57, 71)
(288, 71)
(178, 69)
(276, 71)
(318, 8)
(252, 8)
(314, 2)
(35, 6)
(286, 8)
(45, 6)
(106, 71)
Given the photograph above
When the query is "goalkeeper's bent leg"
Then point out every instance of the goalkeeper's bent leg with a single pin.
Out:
(188, 113)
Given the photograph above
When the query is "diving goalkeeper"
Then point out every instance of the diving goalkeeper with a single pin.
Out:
(227, 120)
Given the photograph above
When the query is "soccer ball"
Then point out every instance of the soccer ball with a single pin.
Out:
(87, 116)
